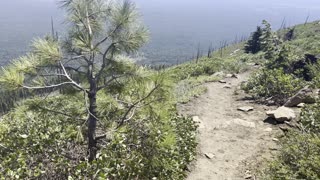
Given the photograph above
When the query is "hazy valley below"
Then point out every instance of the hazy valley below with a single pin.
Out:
(177, 27)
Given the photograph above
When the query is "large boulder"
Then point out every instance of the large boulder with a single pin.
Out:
(282, 114)
(305, 95)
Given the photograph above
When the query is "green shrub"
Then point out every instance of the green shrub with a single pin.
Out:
(310, 118)
(299, 156)
(315, 74)
(273, 83)
(205, 66)
(37, 141)
(283, 59)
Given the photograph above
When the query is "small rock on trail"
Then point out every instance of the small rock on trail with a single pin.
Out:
(244, 123)
(246, 108)
(209, 155)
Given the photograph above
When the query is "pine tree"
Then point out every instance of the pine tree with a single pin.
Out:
(270, 43)
(99, 31)
(253, 45)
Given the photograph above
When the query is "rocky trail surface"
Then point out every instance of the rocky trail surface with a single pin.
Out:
(233, 137)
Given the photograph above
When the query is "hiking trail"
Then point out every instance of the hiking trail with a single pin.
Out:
(231, 142)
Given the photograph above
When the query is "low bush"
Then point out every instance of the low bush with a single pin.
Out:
(273, 84)
(45, 137)
(315, 74)
(299, 156)
(310, 118)
(206, 66)
(43, 144)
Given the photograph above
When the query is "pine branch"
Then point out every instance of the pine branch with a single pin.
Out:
(59, 112)
(133, 106)
(104, 61)
(106, 84)
(107, 37)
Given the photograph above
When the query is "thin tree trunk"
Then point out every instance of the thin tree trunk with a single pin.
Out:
(92, 121)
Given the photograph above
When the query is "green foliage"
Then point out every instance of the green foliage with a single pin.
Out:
(284, 59)
(38, 140)
(47, 51)
(36, 143)
(116, 20)
(269, 41)
(25, 70)
(310, 118)
(192, 69)
(284, 68)
(315, 74)
(138, 133)
(192, 87)
(253, 45)
(299, 156)
(273, 83)
(278, 79)
(187, 79)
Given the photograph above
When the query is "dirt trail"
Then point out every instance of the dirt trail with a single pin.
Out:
(236, 140)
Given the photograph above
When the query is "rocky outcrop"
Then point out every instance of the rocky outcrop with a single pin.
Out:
(282, 114)
(305, 95)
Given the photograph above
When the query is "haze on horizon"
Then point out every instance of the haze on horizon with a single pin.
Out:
(176, 26)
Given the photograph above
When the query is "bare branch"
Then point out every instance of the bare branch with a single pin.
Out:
(46, 87)
(70, 82)
(70, 79)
